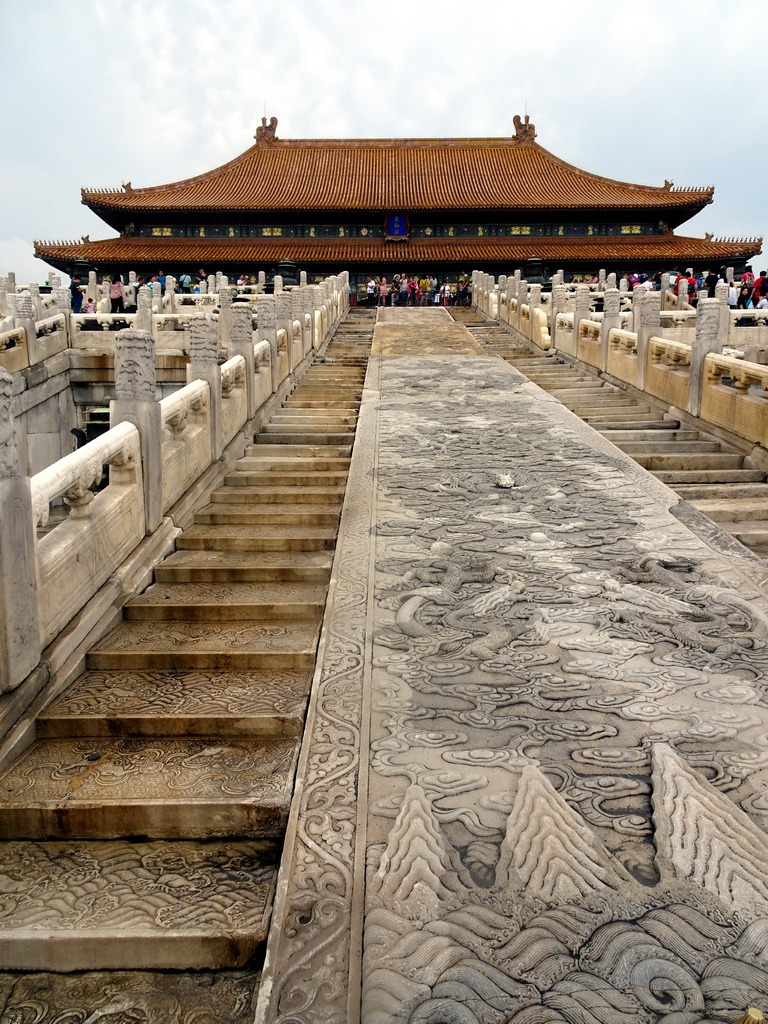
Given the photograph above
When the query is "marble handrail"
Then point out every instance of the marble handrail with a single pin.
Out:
(76, 475)
(675, 354)
(79, 555)
(51, 323)
(186, 450)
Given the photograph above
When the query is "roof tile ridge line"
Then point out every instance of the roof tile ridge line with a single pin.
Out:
(495, 142)
(150, 189)
(659, 189)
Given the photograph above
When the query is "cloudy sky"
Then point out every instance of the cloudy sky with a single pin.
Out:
(149, 91)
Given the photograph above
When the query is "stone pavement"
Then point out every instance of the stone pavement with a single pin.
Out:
(533, 783)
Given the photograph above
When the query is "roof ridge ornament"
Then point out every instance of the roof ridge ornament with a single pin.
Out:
(265, 133)
(525, 131)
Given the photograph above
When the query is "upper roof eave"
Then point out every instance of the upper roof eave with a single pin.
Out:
(199, 192)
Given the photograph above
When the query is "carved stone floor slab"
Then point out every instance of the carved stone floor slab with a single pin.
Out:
(119, 997)
(181, 788)
(135, 906)
(534, 782)
(202, 703)
(189, 645)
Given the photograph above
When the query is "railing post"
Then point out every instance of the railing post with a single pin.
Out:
(534, 302)
(92, 288)
(136, 402)
(19, 613)
(522, 300)
(34, 293)
(284, 318)
(170, 292)
(647, 321)
(242, 345)
(265, 311)
(24, 316)
(610, 281)
(262, 283)
(712, 322)
(682, 292)
(601, 280)
(297, 315)
(559, 302)
(143, 321)
(204, 365)
(303, 278)
(225, 318)
(307, 310)
(611, 320)
(581, 310)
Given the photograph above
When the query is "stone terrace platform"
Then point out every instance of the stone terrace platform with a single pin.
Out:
(533, 783)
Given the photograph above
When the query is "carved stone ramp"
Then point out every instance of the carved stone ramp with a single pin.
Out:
(705, 470)
(141, 832)
(532, 788)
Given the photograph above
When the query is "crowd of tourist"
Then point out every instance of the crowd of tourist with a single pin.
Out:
(412, 290)
(748, 292)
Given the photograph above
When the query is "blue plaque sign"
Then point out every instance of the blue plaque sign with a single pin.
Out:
(396, 227)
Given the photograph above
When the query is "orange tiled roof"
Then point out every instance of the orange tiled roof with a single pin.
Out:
(396, 175)
(662, 249)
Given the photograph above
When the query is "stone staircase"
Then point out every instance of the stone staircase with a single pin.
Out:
(142, 830)
(702, 469)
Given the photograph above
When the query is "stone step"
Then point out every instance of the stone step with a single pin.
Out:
(708, 476)
(226, 602)
(339, 405)
(116, 997)
(692, 492)
(256, 538)
(752, 533)
(284, 495)
(313, 420)
(631, 416)
(275, 426)
(581, 394)
(682, 461)
(175, 788)
(290, 514)
(280, 436)
(287, 478)
(639, 424)
(653, 446)
(112, 905)
(210, 702)
(229, 646)
(733, 510)
(245, 567)
(608, 408)
(320, 454)
(620, 436)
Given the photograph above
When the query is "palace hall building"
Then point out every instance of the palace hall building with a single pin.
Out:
(381, 206)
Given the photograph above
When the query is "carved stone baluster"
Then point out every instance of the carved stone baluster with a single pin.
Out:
(19, 614)
(204, 365)
(136, 402)
(712, 321)
(265, 309)
(225, 318)
(241, 337)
